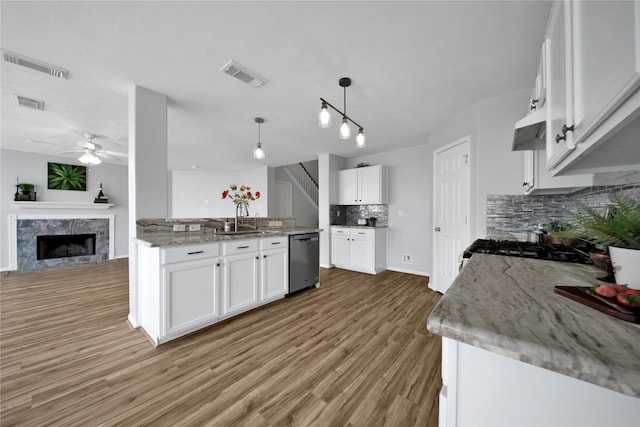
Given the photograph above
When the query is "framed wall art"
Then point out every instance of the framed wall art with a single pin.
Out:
(66, 177)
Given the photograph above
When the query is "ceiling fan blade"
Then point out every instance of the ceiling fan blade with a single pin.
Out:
(72, 151)
(115, 153)
(104, 155)
(47, 142)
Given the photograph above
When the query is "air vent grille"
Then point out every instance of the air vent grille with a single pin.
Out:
(23, 101)
(240, 72)
(39, 66)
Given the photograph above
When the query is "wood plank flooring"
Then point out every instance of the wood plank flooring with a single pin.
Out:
(355, 352)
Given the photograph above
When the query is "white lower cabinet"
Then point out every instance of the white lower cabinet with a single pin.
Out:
(359, 249)
(482, 388)
(186, 288)
(190, 295)
(240, 283)
(274, 271)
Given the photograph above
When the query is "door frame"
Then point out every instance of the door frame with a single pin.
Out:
(464, 140)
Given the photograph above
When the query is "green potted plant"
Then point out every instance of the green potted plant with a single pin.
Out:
(557, 231)
(617, 227)
(25, 189)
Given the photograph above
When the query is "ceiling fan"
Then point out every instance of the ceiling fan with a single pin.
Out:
(91, 153)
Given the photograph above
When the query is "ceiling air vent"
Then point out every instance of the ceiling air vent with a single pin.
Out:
(23, 101)
(243, 73)
(40, 66)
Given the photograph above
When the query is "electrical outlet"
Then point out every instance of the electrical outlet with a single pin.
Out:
(278, 223)
(178, 227)
(272, 223)
(194, 227)
(407, 258)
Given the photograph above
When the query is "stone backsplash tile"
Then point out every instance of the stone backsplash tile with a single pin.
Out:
(517, 213)
(349, 214)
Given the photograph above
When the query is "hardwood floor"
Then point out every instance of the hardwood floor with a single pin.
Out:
(355, 352)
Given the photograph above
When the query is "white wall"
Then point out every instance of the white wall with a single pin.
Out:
(410, 192)
(198, 193)
(328, 167)
(495, 169)
(302, 209)
(32, 168)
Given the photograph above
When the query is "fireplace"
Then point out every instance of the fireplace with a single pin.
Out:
(65, 246)
(46, 241)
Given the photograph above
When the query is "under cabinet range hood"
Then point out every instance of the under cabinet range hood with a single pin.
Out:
(530, 132)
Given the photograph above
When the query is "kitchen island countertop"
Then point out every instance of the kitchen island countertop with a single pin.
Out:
(155, 239)
(507, 305)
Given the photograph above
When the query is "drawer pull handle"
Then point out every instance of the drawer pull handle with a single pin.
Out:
(264, 256)
(195, 253)
(243, 247)
(218, 265)
(275, 243)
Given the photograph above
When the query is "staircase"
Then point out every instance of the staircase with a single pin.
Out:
(304, 181)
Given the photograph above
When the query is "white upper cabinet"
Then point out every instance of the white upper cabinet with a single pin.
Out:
(538, 180)
(363, 186)
(593, 78)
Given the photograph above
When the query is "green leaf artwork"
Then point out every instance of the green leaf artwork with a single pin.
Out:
(66, 177)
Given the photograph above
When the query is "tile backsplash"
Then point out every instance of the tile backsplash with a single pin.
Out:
(349, 214)
(506, 213)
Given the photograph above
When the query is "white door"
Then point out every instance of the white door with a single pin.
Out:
(450, 211)
(240, 283)
(275, 274)
(283, 199)
(369, 184)
(348, 187)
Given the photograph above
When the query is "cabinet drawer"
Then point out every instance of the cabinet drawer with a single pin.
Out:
(189, 252)
(274, 242)
(359, 232)
(240, 247)
(340, 230)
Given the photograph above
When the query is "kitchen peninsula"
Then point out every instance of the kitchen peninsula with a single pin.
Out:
(516, 353)
(189, 280)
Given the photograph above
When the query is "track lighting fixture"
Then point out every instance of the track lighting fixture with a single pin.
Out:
(258, 153)
(324, 120)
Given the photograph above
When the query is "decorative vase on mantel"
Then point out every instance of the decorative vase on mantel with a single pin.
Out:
(626, 266)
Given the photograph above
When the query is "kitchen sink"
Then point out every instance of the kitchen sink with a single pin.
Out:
(243, 232)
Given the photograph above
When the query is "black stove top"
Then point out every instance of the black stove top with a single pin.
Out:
(546, 251)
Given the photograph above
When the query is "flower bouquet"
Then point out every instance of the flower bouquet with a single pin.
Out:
(240, 196)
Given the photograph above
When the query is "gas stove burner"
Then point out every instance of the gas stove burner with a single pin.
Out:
(546, 251)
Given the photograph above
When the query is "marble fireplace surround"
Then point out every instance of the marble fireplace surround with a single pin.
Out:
(104, 250)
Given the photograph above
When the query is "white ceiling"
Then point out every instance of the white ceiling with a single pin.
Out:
(413, 64)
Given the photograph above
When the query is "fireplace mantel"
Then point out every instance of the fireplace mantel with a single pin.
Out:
(63, 205)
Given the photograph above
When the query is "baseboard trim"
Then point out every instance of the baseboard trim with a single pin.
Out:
(406, 270)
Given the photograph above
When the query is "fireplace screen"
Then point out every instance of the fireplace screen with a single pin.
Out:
(64, 246)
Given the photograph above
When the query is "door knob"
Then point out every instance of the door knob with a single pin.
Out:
(436, 229)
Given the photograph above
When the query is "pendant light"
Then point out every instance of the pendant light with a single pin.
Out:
(324, 119)
(258, 153)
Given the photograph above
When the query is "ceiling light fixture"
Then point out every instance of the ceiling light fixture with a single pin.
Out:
(258, 153)
(324, 120)
(89, 158)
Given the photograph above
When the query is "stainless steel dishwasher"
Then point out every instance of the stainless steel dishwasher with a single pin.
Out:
(304, 261)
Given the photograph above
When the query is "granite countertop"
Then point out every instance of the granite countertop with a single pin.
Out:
(359, 226)
(193, 238)
(507, 305)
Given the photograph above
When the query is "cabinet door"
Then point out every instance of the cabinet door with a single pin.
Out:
(528, 183)
(369, 185)
(240, 283)
(559, 113)
(274, 274)
(348, 187)
(341, 250)
(363, 253)
(190, 295)
(605, 59)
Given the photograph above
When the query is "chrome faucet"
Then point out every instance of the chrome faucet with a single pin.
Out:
(241, 210)
(255, 220)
